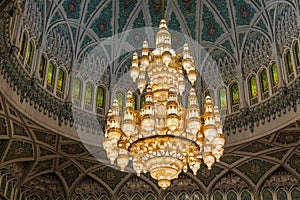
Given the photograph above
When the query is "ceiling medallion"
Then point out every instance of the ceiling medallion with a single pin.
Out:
(163, 138)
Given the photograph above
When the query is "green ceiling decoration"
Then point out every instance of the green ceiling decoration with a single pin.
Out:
(46, 152)
(244, 12)
(155, 11)
(294, 162)
(3, 127)
(255, 169)
(110, 176)
(47, 138)
(288, 137)
(206, 176)
(262, 25)
(19, 149)
(42, 166)
(255, 147)
(92, 5)
(73, 149)
(230, 159)
(72, 8)
(102, 25)
(19, 130)
(70, 174)
(127, 6)
(87, 164)
(278, 154)
(228, 46)
(213, 29)
(188, 7)
(222, 7)
(137, 35)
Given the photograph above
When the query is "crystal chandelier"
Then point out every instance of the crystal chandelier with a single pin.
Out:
(163, 138)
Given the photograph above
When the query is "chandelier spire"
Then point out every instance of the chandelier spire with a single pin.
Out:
(163, 137)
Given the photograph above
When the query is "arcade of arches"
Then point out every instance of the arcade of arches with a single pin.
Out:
(60, 68)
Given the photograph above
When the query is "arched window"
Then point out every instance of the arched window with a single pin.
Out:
(297, 54)
(295, 193)
(218, 196)
(169, 196)
(274, 74)
(42, 67)
(23, 44)
(231, 195)
(264, 81)
(77, 89)
(50, 76)
(235, 99)
(100, 104)
(246, 195)
(281, 194)
(88, 93)
(223, 98)
(267, 195)
(137, 197)
(252, 87)
(142, 99)
(134, 103)
(60, 85)
(120, 98)
(150, 197)
(29, 54)
(289, 64)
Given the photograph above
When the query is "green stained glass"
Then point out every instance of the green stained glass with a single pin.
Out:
(289, 63)
(246, 195)
(295, 194)
(179, 98)
(274, 74)
(29, 54)
(134, 105)
(297, 52)
(50, 75)
(218, 196)
(23, 44)
(77, 89)
(223, 97)
(142, 99)
(88, 93)
(264, 81)
(253, 88)
(231, 196)
(119, 97)
(100, 97)
(281, 194)
(42, 67)
(235, 94)
(60, 80)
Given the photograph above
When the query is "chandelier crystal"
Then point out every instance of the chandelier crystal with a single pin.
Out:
(163, 138)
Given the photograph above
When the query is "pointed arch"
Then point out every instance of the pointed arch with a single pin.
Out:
(100, 102)
(43, 66)
(51, 76)
(61, 82)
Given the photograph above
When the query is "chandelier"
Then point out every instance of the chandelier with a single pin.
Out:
(163, 138)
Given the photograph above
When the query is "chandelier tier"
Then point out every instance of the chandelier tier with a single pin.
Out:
(163, 138)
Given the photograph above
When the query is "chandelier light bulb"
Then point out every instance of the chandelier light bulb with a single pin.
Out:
(163, 137)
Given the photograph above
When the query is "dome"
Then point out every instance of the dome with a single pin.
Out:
(63, 63)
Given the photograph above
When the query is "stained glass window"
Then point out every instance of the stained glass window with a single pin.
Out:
(134, 103)
(223, 97)
(100, 97)
(29, 54)
(61, 80)
(264, 81)
(50, 75)
(42, 67)
(170, 196)
(88, 93)
(197, 196)
(184, 196)
(150, 197)
(119, 97)
(23, 44)
(274, 74)
(142, 99)
(267, 195)
(295, 194)
(77, 89)
(253, 88)
(289, 63)
(297, 54)
(235, 94)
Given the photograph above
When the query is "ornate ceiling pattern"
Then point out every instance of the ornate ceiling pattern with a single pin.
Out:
(44, 163)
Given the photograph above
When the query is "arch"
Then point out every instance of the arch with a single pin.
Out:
(100, 101)
(252, 87)
(246, 195)
(61, 82)
(295, 193)
(88, 100)
(281, 194)
(169, 196)
(50, 76)
(43, 65)
(150, 197)
(234, 92)
(274, 74)
(134, 103)
(231, 195)
(197, 196)
(223, 97)
(23, 43)
(267, 195)
(264, 81)
(29, 54)
(183, 196)
(296, 52)
(289, 65)
(120, 98)
(217, 196)
(77, 89)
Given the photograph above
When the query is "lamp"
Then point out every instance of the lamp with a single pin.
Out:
(164, 138)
